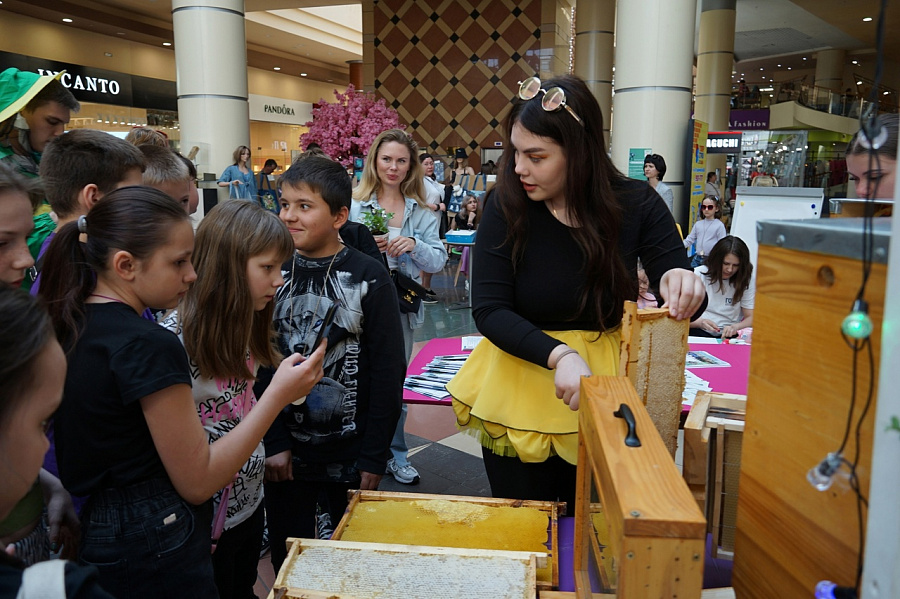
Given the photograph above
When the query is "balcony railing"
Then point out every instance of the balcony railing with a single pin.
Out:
(817, 98)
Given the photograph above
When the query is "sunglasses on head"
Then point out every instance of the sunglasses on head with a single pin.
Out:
(554, 98)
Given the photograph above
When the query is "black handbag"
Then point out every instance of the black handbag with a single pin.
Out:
(409, 293)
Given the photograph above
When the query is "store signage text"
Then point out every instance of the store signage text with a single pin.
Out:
(279, 110)
(101, 86)
(286, 110)
(86, 83)
(723, 142)
(749, 119)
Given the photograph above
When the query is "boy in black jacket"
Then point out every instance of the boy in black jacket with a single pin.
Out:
(339, 438)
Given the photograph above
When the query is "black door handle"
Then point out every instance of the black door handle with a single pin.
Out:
(631, 438)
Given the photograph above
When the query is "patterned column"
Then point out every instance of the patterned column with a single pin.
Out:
(652, 102)
(594, 35)
(211, 66)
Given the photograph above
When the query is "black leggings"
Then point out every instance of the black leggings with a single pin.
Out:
(551, 480)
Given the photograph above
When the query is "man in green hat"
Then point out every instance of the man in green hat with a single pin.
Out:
(33, 110)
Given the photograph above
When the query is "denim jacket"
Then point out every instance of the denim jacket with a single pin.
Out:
(429, 255)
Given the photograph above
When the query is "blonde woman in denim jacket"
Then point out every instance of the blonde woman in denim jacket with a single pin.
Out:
(393, 180)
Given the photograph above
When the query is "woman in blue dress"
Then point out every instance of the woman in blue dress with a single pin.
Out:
(238, 177)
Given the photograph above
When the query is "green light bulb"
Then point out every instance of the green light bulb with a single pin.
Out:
(857, 325)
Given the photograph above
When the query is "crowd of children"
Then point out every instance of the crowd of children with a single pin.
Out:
(200, 388)
(158, 436)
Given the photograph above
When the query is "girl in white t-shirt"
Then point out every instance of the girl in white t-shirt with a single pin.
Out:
(727, 276)
(225, 323)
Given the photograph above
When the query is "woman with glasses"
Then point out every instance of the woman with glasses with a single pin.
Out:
(557, 250)
(728, 277)
(706, 231)
(655, 170)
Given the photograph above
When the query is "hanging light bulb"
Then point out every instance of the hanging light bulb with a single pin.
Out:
(857, 324)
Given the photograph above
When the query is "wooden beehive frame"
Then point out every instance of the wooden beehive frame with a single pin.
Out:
(657, 532)
(552, 508)
(281, 589)
(714, 426)
(652, 355)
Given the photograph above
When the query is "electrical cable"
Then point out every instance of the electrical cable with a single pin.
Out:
(872, 138)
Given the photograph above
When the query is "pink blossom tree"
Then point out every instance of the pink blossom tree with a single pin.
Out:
(348, 127)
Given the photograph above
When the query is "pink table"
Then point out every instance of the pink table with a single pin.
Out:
(725, 380)
(722, 380)
(435, 347)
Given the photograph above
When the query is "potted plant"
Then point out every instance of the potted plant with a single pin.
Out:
(376, 221)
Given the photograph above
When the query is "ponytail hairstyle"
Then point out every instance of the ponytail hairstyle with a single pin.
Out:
(25, 330)
(219, 322)
(134, 219)
(590, 178)
(741, 278)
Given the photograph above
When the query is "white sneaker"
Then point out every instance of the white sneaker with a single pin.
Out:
(406, 475)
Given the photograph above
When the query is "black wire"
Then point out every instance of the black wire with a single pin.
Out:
(860, 499)
(867, 122)
(856, 347)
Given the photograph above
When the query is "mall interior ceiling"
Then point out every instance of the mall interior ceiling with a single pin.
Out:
(316, 38)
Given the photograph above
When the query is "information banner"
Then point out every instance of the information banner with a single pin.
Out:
(636, 163)
(698, 170)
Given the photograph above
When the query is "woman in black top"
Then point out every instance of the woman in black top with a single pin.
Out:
(468, 216)
(557, 251)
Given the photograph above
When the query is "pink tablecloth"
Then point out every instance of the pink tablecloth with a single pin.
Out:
(722, 380)
(726, 380)
(435, 347)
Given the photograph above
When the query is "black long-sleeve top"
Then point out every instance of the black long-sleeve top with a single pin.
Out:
(512, 308)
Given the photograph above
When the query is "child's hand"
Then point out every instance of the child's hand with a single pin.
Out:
(279, 467)
(297, 375)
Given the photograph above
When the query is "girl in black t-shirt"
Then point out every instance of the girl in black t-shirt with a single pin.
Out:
(127, 432)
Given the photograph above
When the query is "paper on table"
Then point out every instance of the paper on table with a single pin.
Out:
(702, 359)
(435, 375)
(692, 385)
(469, 343)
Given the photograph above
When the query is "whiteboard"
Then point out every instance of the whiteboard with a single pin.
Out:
(754, 204)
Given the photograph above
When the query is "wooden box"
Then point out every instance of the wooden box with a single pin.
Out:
(713, 434)
(473, 533)
(656, 533)
(317, 569)
(789, 534)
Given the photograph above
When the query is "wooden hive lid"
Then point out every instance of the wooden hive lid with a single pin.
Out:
(642, 492)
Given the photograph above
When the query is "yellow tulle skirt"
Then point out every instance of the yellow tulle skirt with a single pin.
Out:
(509, 405)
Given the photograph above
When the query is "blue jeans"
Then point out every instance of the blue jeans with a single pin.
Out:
(399, 449)
(146, 541)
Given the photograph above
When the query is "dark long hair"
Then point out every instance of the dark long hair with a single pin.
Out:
(24, 332)
(590, 201)
(741, 278)
(134, 219)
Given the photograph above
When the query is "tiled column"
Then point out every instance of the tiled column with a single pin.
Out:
(594, 34)
(211, 65)
(715, 61)
(652, 102)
